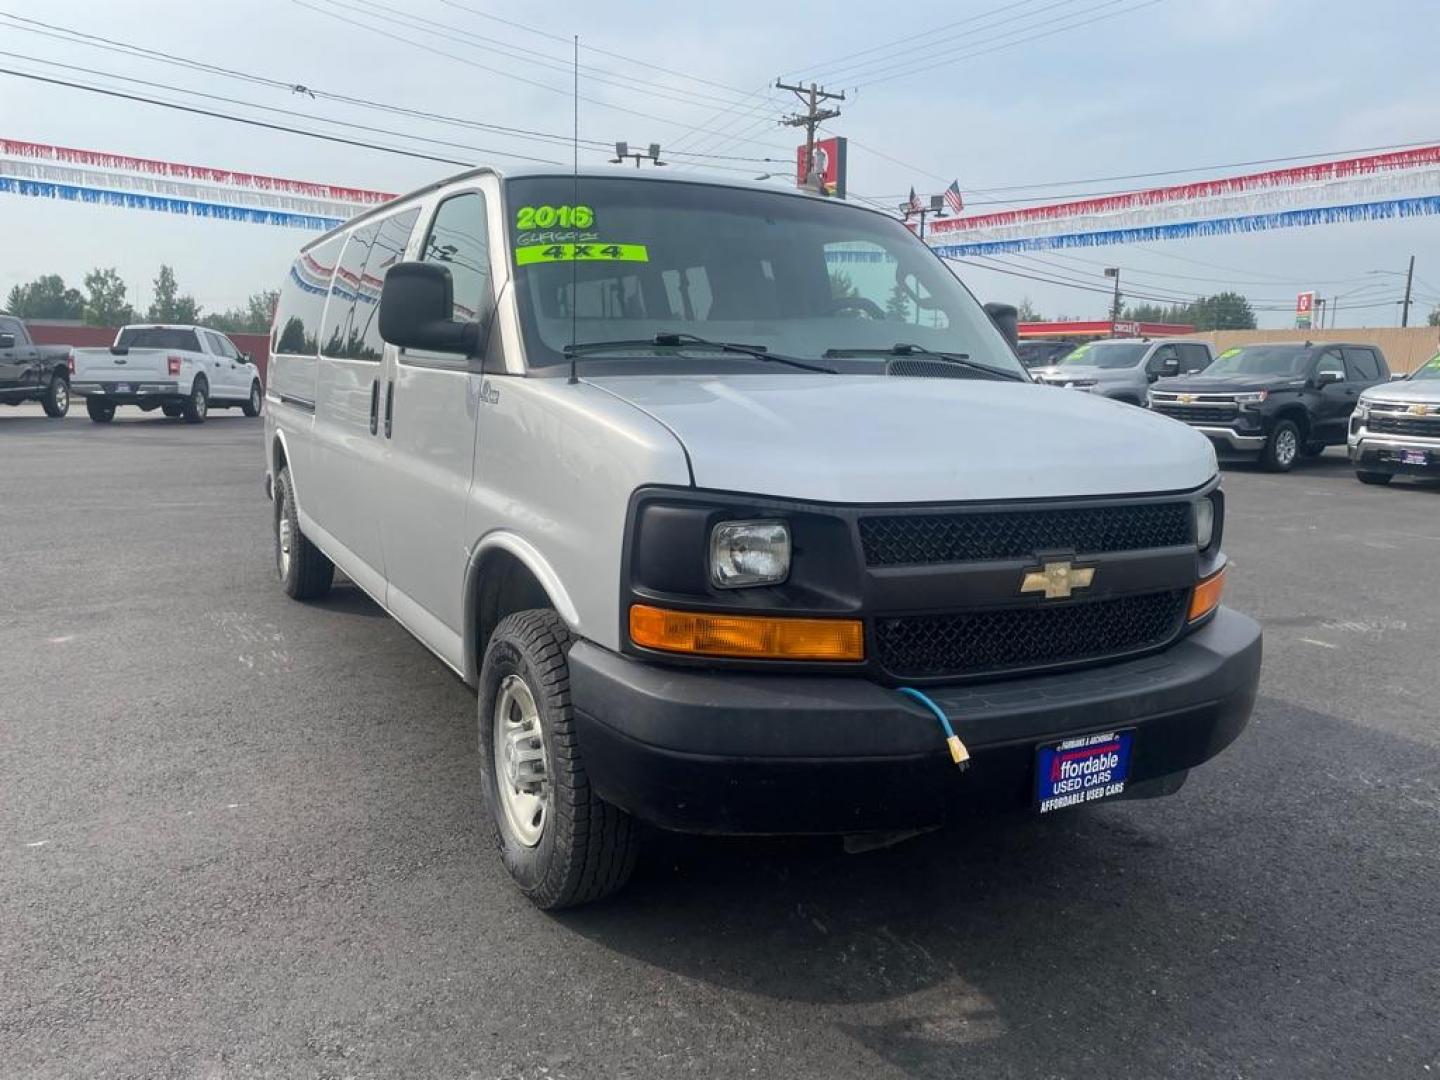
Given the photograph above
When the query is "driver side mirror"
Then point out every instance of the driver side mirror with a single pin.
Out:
(7, 341)
(245, 358)
(417, 306)
(1325, 378)
(1006, 318)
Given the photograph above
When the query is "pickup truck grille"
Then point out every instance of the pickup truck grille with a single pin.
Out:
(1405, 425)
(1196, 414)
(919, 539)
(991, 642)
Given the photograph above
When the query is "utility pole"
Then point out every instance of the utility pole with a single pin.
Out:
(1114, 272)
(1405, 308)
(812, 118)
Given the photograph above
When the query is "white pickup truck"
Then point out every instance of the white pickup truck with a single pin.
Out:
(181, 370)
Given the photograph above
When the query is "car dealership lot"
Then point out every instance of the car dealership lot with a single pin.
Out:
(241, 835)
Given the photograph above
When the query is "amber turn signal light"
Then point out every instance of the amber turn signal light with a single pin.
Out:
(756, 637)
(1206, 597)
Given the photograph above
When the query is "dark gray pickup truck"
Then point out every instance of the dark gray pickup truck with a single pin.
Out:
(30, 372)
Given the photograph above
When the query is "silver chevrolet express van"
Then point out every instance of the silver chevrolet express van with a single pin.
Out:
(741, 517)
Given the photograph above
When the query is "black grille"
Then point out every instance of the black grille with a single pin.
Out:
(1405, 425)
(916, 539)
(983, 642)
(1196, 414)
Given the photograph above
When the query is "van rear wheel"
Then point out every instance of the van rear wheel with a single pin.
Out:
(305, 572)
(561, 843)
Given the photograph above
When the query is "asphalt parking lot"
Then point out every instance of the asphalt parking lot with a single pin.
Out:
(239, 836)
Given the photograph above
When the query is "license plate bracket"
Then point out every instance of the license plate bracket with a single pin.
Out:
(1082, 770)
(122, 388)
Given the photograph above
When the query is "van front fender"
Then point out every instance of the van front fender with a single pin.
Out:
(539, 567)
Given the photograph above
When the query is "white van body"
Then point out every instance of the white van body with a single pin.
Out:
(421, 475)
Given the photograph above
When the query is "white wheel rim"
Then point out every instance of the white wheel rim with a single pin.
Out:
(1286, 447)
(285, 539)
(522, 773)
(62, 397)
(200, 403)
(254, 399)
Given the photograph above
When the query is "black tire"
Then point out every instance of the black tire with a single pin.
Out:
(56, 401)
(307, 573)
(171, 411)
(197, 405)
(1313, 449)
(586, 848)
(102, 412)
(252, 403)
(1282, 448)
(1377, 478)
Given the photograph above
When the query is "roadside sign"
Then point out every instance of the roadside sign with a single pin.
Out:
(1304, 310)
(827, 168)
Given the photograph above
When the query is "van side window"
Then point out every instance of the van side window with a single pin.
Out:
(302, 299)
(387, 248)
(459, 240)
(341, 338)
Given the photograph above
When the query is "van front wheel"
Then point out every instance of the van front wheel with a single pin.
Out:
(561, 844)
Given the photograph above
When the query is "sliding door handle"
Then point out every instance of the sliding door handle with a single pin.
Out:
(389, 407)
(374, 406)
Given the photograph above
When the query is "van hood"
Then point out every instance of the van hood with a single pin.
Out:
(883, 439)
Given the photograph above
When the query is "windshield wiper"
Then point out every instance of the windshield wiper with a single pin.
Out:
(680, 341)
(902, 348)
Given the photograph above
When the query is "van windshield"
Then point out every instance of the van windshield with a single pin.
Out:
(631, 259)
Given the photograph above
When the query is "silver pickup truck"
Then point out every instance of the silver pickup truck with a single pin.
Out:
(1395, 428)
(181, 370)
(741, 516)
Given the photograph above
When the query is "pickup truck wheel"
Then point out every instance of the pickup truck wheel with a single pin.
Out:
(561, 844)
(197, 405)
(1379, 478)
(102, 412)
(171, 411)
(304, 570)
(1282, 448)
(252, 403)
(57, 397)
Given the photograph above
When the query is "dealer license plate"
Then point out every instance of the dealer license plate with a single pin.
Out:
(1414, 457)
(122, 387)
(1082, 770)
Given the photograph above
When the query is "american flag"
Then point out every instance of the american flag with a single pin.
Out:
(953, 198)
(914, 205)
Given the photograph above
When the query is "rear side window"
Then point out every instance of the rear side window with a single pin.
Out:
(302, 299)
(352, 325)
(12, 326)
(157, 337)
(1361, 365)
(1330, 361)
(459, 240)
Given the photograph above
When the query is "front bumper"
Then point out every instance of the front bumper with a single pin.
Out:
(1381, 453)
(735, 753)
(1229, 438)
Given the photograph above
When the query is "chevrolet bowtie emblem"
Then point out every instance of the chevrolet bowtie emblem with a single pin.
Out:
(1419, 410)
(1186, 399)
(1057, 580)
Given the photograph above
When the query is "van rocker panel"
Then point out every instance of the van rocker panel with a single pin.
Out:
(697, 751)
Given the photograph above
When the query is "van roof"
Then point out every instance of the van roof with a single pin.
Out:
(585, 172)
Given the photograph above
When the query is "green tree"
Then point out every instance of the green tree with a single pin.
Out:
(46, 297)
(105, 303)
(252, 318)
(842, 285)
(1223, 311)
(1026, 312)
(1434, 317)
(897, 305)
(169, 306)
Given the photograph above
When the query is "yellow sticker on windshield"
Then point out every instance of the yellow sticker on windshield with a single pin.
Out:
(597, 252)
(1228, 352)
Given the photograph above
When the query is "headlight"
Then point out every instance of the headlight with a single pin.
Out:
(1204, 523)
(1252, 399)
(745, 553)
(1362, 410)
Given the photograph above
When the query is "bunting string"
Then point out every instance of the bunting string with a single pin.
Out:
(135, 200)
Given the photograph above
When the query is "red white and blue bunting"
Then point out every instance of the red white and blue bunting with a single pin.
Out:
(39, 170)
(1402, 184)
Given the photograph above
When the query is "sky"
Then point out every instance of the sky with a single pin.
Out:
(999, 94)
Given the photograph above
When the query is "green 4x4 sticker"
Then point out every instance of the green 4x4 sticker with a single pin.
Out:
(594, 252)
